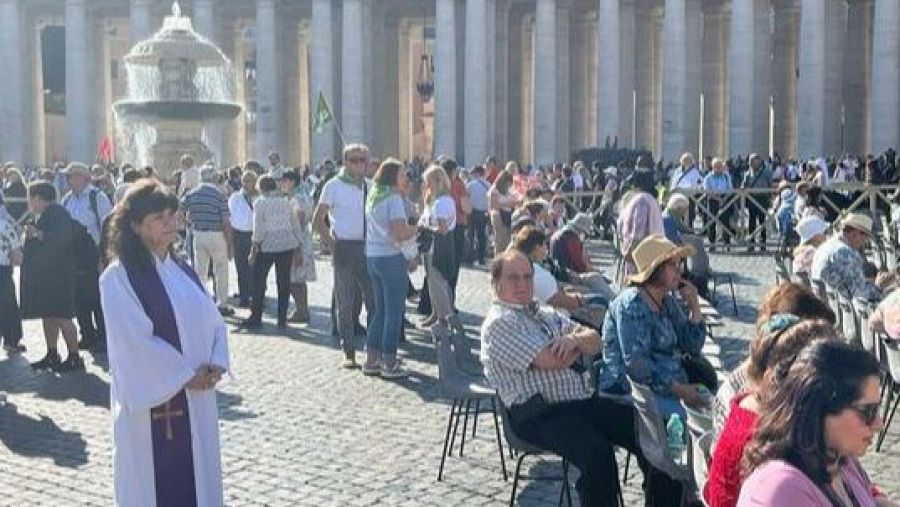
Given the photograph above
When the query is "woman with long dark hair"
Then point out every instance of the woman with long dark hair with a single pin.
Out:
(819, 415)
(167, 351)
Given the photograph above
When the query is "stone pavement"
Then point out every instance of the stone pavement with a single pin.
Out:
(297, 430)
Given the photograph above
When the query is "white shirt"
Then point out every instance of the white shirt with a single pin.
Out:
(190, 179)
(241, 212)
(79, 208)
(441, 209)
(146, 372)
(346, 209)
(545, 286)
(682, 178)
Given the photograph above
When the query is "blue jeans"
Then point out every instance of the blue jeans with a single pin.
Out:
(389, 284)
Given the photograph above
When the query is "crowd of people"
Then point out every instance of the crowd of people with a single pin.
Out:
(142, 264)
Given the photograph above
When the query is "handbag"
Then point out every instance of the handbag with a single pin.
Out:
(409, 248)
(700, 371)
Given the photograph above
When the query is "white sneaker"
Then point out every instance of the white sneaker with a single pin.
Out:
(371, 369)
(394, 372)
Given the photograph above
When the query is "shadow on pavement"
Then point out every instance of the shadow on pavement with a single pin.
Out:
(17, 377)
(40, 438)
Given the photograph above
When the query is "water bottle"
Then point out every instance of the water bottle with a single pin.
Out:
(675, 439)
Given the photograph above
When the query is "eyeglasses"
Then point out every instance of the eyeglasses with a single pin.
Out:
(356, 160)
(518, 277)
(868, 412)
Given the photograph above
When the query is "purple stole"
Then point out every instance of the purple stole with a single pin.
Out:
(170, 425)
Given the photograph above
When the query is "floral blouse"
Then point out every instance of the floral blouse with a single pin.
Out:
(841, 268)
(9, 238)
(803, 258)
(646, 345)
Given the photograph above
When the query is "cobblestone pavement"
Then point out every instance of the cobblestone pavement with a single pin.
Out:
(297, 430)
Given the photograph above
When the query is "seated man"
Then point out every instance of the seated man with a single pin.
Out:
(838, 263)
(533, 358)
(568, 254)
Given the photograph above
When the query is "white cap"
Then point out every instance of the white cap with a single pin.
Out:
(810, 226)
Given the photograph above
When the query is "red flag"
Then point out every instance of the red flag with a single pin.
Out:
(106, 151)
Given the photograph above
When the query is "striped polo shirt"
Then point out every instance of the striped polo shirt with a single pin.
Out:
(207, 206)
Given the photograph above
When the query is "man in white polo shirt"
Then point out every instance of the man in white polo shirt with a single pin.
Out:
(343, 201)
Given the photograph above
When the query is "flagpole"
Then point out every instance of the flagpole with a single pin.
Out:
(337, 126)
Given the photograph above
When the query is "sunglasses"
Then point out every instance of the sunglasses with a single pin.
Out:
(868, 412)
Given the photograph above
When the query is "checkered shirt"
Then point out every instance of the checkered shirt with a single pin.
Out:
(511, 337)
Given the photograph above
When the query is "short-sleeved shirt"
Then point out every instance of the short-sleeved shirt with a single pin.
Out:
(346, 208)
(443, 208)
(379, 242)
(79, 208)
(478, 193)
(545, 286)
(511, 338)
(207, 207)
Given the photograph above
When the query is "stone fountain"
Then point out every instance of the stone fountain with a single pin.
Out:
(180, 97)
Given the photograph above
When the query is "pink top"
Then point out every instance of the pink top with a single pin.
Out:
(777, 483)
(803, 258)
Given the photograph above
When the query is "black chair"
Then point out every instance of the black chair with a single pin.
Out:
(525, 449)
(464, 388)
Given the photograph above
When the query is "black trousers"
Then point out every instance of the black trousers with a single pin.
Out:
(584, 432)
(10, 317)
(88, 311)
(477, 235)
(264, 262)
(459, 240)
(757, 219)
(242, 243)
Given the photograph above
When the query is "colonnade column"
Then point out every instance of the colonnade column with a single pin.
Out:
(445, 79)
(674, 104)
(12, 118)
(267, 104)
(626, 74)
(501, 79)
(821, 78)
(741, 57)
(609, 76)
(885, 80)
(762, 64)
(79, 124)
(545, 87)
(694, 75)
(715, 78)
(141, 20)
(563, 89)
(353, 108)
(476, 122)
(858, 68)
(784, 79)
(321, 56)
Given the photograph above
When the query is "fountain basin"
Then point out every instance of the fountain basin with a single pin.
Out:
(178, 110)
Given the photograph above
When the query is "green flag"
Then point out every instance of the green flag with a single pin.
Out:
(323, 115)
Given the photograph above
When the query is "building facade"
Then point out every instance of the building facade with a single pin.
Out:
(532, 80)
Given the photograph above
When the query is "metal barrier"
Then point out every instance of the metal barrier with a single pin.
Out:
(730, 214)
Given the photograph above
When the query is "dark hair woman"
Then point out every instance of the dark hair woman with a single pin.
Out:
(167, 351)
(784, 337)
(819, 416)
(387, 226)
(646, 334)
(48, 275)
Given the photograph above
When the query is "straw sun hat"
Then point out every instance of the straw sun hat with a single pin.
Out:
(651, 253)
(859, 222)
